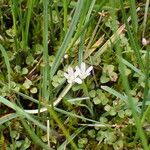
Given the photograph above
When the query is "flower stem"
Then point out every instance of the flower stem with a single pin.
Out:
(88, 102)
(56, 102)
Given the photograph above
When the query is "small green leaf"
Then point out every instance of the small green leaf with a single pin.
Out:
(128, 112)
(121, 113)
(29, 60)
(26, 144)
(104, 78)
(14, 134)
(96, 100)
(103, 119)
(18, 144)
(55, 84)
(113, 76)
(17, 68)
(92, 93)
(110, 69)
(112, 112)
(33, 90)
(82, 141)
(60, 73)
(51, 60)
(118, 145)
(92, 133)
(55, 78)
(24, 71)
(107, 107)
(27, 84)
(104, 100)
(127, 71)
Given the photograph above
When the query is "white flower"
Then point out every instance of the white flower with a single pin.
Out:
(72, 76)
(82, 71)
(144, 41)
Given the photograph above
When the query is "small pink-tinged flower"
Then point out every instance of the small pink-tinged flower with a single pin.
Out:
(82, 71)
(144, 42)
(72, 76)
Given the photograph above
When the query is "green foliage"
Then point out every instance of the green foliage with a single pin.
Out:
(58, 78)
(82, 142)
(98, 97)
(92, 133)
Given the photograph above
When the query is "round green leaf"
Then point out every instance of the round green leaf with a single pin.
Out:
(33, 90)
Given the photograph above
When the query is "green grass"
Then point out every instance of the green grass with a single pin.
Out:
(40, 109)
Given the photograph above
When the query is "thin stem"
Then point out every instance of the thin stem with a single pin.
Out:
(30, 4)
(62, 94)
(33, 136)
(65, 4)
(62, 127)
(132, 38)
(48, 131)
(14, 16)
(89, 103)
(146, 88)
(45, 52)
(145, 17)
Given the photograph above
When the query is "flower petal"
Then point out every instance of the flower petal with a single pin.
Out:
(78, 80)
(82, 67)
(70, 70)
(89, 70)
(66, 75)
(70, 81)
(77, 72)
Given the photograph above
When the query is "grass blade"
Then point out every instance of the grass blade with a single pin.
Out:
(28, 14)
(61, 125)
(21, 112)
(8, 117)
(115, 93)
(45, 68)
(79, 130)
(60, 53)
(14, 4)
(33, 136)
(134, 18)
(133, 40)
(65, 5)
(6, 58)
(74, 115)
(147, 87)
(136, 70)
(145, 17)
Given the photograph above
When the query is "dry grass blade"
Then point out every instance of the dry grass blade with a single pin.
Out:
(113, 39)
(88, 52)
